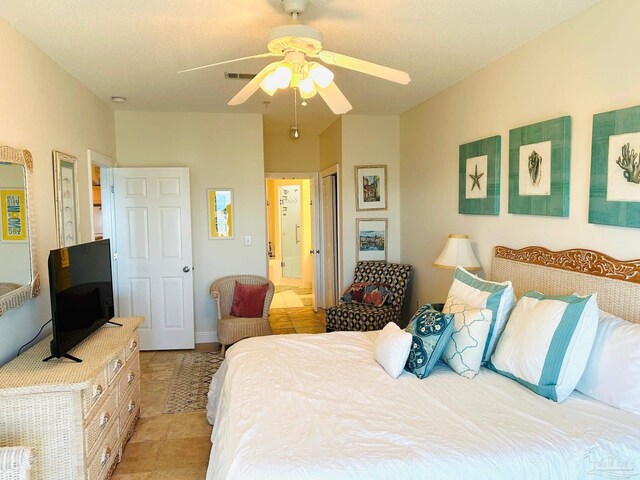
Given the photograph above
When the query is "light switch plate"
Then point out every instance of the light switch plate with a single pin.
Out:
(247, 240)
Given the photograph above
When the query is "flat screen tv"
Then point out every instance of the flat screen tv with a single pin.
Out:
(81, 294)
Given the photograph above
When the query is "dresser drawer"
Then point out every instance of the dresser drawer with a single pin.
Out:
(129, 376)
(129, 411)
(102, 420)
(92, 395)
(105, 455)
(115, 366)
(132, 345)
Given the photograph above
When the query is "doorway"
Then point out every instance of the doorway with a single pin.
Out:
(291, 236)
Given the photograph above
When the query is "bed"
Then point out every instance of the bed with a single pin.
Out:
(320, 407)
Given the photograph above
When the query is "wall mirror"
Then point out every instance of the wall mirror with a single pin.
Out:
(19, 279)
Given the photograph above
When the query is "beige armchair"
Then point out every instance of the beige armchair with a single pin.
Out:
(15, 463)
(231, 329)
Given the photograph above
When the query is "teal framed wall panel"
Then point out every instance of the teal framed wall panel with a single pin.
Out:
(477, 195)
(602, 209)
(554, 201)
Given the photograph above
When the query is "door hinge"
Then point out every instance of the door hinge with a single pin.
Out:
(282, 264)
(112, 189)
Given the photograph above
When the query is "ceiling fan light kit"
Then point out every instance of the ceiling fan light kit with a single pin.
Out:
(296, 43)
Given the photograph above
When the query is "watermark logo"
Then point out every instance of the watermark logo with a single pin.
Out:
(603, 464)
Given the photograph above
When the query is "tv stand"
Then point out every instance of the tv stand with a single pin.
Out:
(114, 323)
(65, 355)
(77, 416)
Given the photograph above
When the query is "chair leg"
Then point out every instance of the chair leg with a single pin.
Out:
(222, 350)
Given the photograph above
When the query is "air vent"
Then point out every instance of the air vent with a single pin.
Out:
(239, 76)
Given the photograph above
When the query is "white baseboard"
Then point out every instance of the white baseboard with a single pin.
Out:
(206, 337)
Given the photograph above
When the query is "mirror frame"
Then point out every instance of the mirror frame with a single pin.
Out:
(17, 297)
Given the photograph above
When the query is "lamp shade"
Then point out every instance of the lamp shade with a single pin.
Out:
(457, 253)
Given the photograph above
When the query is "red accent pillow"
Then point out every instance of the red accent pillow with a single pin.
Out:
(248, 300)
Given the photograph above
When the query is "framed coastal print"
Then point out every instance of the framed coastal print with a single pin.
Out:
(371, 187)
(14, 215)
(614, 197)
(371, 239)
(539, 157)
(479, 177)
(66, 197)
(220, 212)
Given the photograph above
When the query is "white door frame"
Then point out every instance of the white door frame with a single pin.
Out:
(318, 278)
(106, 163)
(334, 169)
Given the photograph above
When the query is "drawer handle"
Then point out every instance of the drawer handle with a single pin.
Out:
(134, 344)
(132, 405)
(97, 391)
(106, 454)
(117, 366)
(104, 420)
(131, 377)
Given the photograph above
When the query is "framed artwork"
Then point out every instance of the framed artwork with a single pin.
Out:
(614, 197)
(14, 215)
(371, 187)
(220, 213)
(539, 157)
(479, 177)
(371, 239)
(65, 187)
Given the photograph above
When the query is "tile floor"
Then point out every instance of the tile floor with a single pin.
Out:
(176, 446)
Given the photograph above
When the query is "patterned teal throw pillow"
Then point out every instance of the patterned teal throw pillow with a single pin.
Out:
(431, 332)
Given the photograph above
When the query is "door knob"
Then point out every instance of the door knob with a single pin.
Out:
(186, 269)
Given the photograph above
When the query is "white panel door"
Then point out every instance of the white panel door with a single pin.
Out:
(153, 246)
(329, 246)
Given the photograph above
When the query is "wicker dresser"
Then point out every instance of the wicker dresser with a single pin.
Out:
(76, 416)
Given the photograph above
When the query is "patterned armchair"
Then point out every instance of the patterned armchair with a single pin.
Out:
(361, 317)
(15, 463)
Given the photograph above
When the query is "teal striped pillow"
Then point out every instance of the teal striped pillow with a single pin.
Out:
(546, 343)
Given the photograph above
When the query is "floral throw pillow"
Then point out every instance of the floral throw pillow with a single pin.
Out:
(375, 294)
(431, 332)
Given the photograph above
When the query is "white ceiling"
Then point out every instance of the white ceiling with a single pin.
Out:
(134, 48)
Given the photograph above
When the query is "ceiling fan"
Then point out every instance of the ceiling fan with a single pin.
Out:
(298, 43)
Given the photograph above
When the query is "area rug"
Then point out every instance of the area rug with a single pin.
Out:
(190, 382)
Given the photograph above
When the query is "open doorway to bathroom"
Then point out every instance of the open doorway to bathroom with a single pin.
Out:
(291, 227)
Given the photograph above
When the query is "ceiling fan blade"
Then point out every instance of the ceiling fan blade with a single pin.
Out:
(336, 100)
(262, 55)
(363, 66)
(253, 85)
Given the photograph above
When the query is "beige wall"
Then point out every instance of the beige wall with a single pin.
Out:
(283, 155)
(369, 140)
(221, 150)
(330, 145)
(586, 65)
(44, 109)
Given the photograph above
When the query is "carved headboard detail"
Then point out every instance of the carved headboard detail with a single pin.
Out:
(617, 282)
(576, 260)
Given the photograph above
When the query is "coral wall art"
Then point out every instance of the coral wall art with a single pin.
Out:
(615, 168)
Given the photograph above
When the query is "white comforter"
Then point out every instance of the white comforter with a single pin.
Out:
(320, 407)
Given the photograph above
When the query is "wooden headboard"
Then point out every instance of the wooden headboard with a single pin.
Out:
(616, 282)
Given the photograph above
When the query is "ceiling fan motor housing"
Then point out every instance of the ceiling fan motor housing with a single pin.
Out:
(300, 38)
(295, 6)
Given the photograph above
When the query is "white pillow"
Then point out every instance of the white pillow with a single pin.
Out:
(546, 343)
(391, 348)
(471, 328)
(612, 375)
(479, 293)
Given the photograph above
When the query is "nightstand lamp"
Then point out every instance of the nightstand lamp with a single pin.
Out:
(457, 253)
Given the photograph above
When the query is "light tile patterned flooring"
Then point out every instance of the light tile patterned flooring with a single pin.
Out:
(176, 446)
